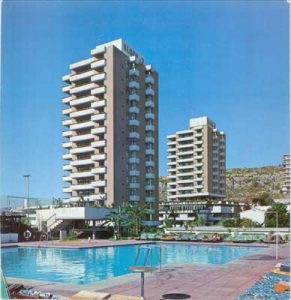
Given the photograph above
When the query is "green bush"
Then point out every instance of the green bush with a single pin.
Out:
(72, 235)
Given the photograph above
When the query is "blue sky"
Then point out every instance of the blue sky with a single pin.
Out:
(224, 59)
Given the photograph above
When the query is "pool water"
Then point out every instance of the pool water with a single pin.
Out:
(84, 266)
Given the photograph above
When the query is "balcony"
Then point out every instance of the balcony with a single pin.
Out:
(133, 110)
(134, 122)
(82, 63)
(66, 89)
(185, 153)
(185, 167)
(79, 187)
(185, 139)
(98, 77)
(67, 190)
(171, 150)
(98, 144)
(134, 173)
(198, 142)
(83, 88)
(149, 103)
(81, 113)
(83, 75)
(184, 160)
(149, 79)
(134, 135)
(83, 100)
(67, 133)
(98, 50)
(150, 199)
(133, 198)
(99, 90)
(149, 127)
(171, 163)
(149, 187)
(67, 156)
(81, 174)
(198, 172)
(150, 163)
(66, 77)
(99, 183)
(67, 178)
(101, 170)
(133, 147)
(185, 174)
(185, 146)
(98, 157)
(98, 130)
(133, 97)
(150, 175)
(67, 167)
(133, 84)
(81, 162)
(87, 124)
(185, 181)
(150, 152)
(149, 139)
(67, 145)
(134, 185)
(98, 117)
(149, 92)
(133, 72)
(99, 103)
(67, 100)
(81, 150)
(149, 116)
(98, 64)
(134, 160)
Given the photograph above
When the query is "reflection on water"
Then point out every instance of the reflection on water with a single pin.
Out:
(83, 266)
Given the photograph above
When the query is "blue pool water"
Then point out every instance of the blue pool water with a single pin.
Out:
(84, 266)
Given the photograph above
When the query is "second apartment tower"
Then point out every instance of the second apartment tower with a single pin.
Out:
(112, 128)
(196, 167)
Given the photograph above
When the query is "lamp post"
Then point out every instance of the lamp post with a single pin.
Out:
(27, 176)
(277, 221)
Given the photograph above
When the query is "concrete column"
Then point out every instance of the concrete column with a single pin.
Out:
(63, 234)
(94, 230)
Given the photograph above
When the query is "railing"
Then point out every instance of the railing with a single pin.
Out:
(148, 254)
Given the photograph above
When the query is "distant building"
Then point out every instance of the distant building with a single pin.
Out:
(111, 120)
(256, 214)
(212, 213)
(286, 180)
(196, 167)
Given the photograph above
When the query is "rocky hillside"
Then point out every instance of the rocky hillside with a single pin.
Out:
(246, 184)
(249, 183)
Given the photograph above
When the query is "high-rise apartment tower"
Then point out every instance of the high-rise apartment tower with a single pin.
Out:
(112, 128)
(196, 167)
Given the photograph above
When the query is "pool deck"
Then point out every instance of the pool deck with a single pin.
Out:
(201, 281)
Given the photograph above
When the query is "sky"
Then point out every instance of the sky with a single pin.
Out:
(227, 60)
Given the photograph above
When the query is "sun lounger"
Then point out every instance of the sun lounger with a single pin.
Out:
(121, 297)
(278, 271)
(86, 295)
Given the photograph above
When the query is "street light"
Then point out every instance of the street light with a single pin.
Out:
(277, 242)
(27, 176)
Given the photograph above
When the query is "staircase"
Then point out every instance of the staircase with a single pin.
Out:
(60, 225)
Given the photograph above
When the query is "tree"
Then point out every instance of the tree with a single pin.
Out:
(134, 217)
(199, 221)
(244, 222)
(169, 222)
(117, 218)
(283, 215)
(264, 199)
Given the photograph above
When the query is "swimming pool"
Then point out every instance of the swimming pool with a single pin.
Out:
(84, 266)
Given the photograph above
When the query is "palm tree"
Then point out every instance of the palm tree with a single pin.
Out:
(283, 215)
(135, 215)
(117, 217)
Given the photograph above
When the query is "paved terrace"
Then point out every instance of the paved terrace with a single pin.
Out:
(211, 282)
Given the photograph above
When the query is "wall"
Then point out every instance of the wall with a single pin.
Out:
(9, 238)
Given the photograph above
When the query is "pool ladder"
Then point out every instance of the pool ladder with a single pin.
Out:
(148, 254)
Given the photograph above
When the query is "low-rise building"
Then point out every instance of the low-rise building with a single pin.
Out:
(211, 212)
